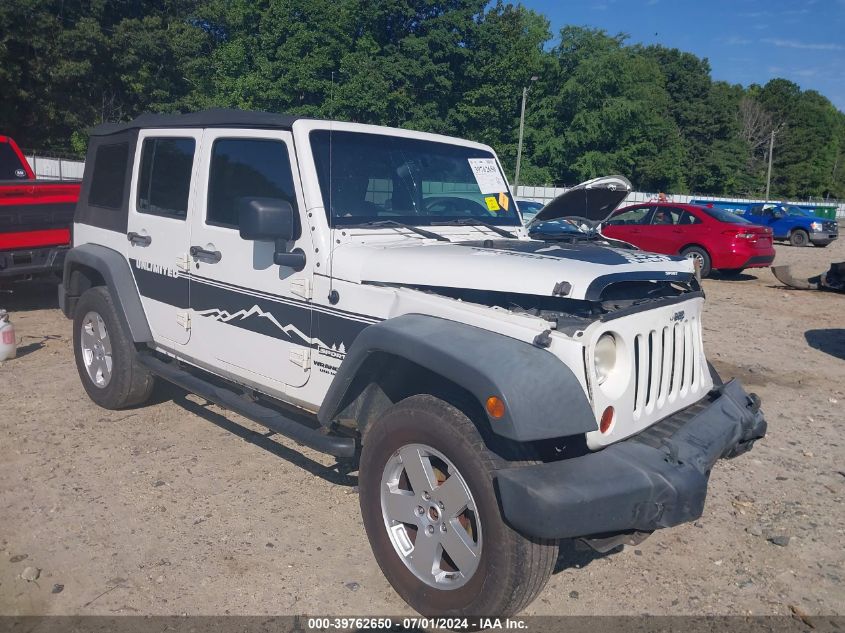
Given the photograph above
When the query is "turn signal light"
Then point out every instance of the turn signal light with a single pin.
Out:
(495, 407)
(606, 420)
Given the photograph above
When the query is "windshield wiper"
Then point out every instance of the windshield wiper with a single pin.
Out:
(400, 225)
(476, 222)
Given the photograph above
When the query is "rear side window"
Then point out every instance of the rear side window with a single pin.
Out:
(246, 168)
(689, 218)
(10, 164)
(725, 216)
(165, 179)
(109, 177)
(666, 215)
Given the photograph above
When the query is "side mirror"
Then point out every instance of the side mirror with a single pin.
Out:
(265, 219)
(271, 220)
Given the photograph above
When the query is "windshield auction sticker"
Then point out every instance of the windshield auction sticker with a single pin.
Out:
(487, 175)
(503, 201)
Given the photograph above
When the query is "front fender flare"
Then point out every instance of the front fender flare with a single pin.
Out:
(543, 398)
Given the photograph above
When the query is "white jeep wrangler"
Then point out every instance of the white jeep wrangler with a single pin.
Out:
(371, 293)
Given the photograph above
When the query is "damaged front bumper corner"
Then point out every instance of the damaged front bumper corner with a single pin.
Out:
(653, 480)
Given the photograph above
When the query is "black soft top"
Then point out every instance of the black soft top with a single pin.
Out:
(215, 117)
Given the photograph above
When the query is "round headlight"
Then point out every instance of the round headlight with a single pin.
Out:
(604, 356)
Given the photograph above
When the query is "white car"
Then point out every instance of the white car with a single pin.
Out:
(371, 293)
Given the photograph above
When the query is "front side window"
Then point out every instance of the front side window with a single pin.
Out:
(370, 177)
(109, 176)
(247, 168)
(796, 211)
(631, 216)
(165, 179)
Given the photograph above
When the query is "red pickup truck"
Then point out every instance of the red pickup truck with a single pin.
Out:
(35, 218)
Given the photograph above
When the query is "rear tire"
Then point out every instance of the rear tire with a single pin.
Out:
(799, 237)
(489, 569)
(105, 356)
(696, 252)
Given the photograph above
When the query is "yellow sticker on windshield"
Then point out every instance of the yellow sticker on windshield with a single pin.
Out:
(503, 201)
(492, 205)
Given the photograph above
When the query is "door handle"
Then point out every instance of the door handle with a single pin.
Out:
(139, 240)
(210, 257)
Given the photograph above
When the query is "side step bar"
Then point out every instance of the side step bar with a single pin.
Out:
(314, 438)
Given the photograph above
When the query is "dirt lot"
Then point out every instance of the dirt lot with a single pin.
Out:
(174, 509)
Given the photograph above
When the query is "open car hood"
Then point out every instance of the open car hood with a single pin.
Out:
(594, 199)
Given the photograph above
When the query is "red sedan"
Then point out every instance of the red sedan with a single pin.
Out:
(719, 239)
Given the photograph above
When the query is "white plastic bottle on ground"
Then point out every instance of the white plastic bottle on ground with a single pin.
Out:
(8, 344)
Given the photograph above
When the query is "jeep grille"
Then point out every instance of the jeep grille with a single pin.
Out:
(666, 363)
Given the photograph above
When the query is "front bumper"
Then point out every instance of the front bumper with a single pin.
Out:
(655, 479)
(823, 237)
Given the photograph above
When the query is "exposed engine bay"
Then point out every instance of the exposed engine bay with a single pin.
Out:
(566, 314)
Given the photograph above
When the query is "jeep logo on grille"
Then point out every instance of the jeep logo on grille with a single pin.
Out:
(678, 316)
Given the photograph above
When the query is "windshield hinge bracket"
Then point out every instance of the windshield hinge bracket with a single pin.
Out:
(544, 339)
(301, 286)
(562, 289)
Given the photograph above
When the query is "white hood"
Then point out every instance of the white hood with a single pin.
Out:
(518, 266)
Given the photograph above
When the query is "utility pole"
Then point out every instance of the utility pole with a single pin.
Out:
(521, 130)
(769, 174)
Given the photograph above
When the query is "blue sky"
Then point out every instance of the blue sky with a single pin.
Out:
(746, 41)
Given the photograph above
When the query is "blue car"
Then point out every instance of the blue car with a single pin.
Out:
(528, 209)
(789, 222)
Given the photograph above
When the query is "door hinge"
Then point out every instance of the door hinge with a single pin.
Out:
(301, 286)
(183, 262)
(301, 357)
(184, 319)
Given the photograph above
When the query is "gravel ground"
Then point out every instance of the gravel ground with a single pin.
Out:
(173, 508)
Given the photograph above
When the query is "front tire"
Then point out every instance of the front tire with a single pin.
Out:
(799, 237)
(105, 357)
(433, 520)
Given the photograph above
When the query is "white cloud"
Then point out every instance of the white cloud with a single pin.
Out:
(810, 46)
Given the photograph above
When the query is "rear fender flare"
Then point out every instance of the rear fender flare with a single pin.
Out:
(116, 275)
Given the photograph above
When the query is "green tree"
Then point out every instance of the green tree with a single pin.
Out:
(705, 114)
(807, 144)
(457, 67)
(611, 114)
(507, 51)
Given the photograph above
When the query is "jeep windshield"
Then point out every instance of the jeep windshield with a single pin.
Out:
(365, 178)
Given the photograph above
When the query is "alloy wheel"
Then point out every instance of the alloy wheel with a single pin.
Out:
(431, 517)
